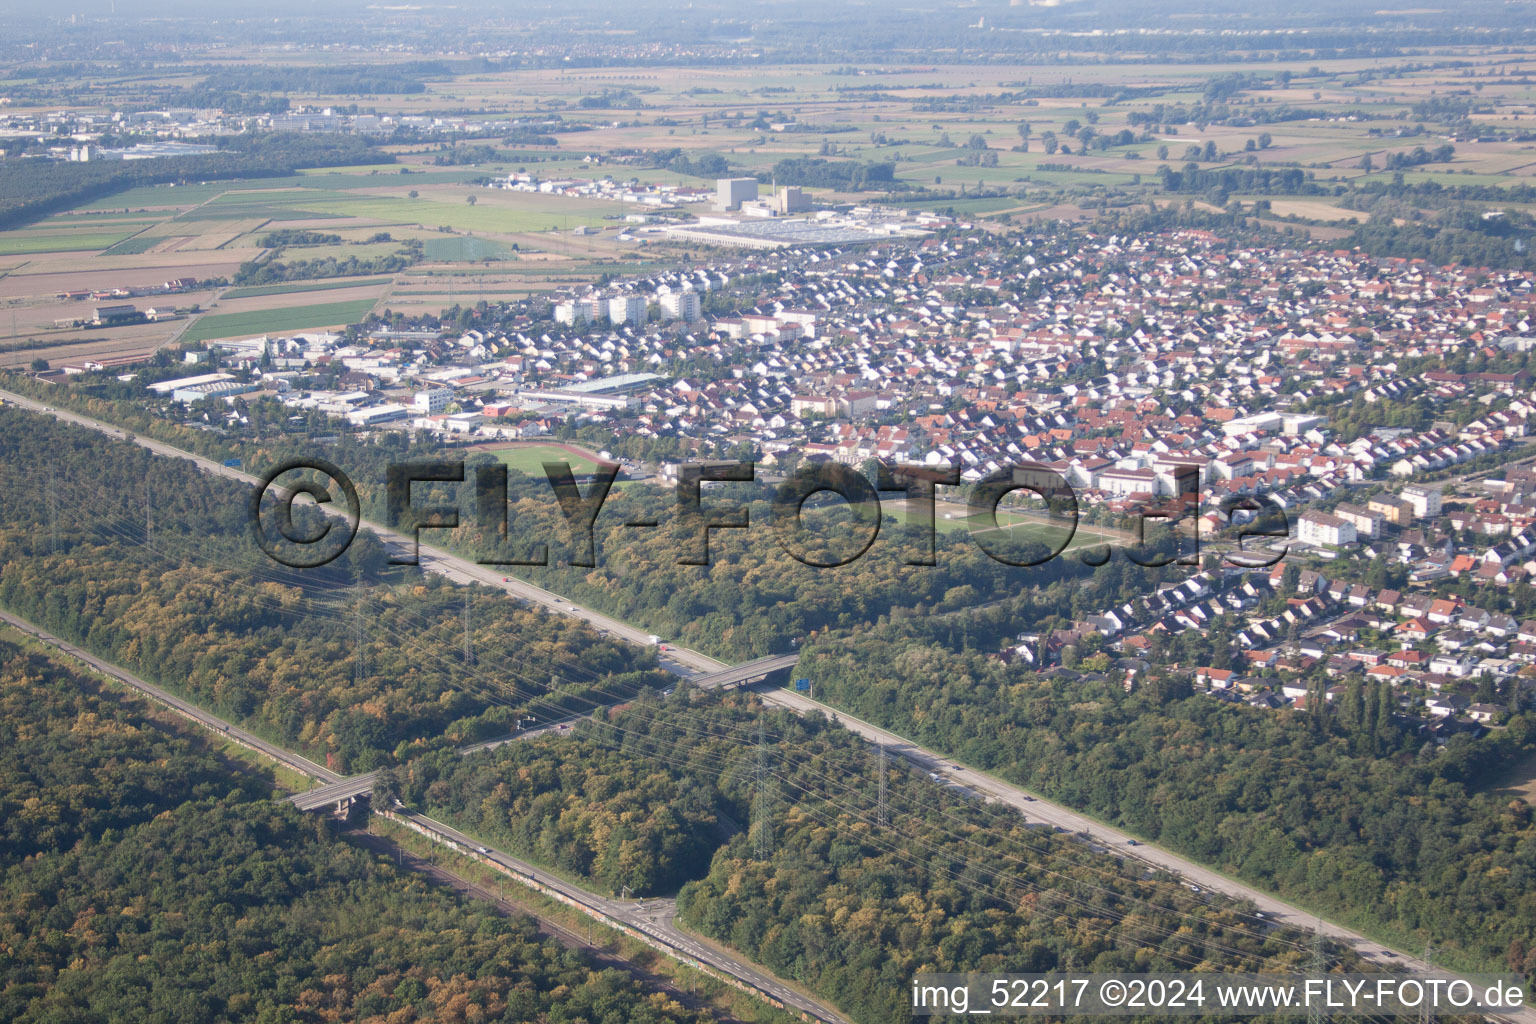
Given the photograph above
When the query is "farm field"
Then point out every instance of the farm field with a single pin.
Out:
(289, 288)
(227, 306)
(1019, 526)
(24, 242)
(59, 349)
(141, 238)
(1518, 781)
(997, 145)
(43, 277)
(1014, 529)
(271, 321)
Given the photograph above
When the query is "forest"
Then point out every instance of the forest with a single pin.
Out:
(1454, 236)
(283, 237)
(346, 80)
(842, 175)
(580, 805)
(1345, 812)
(752, 599)
(143, 881)
(1281, 181)
(804, 871)
(150, 563)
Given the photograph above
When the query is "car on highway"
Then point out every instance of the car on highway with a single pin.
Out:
(506, 579)
(481, 849)
(1131, 842)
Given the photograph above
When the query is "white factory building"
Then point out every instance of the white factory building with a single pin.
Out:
(730, 193)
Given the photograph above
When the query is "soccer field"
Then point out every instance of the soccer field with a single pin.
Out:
(529, 458)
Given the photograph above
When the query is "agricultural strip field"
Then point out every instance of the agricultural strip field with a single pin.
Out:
(286, 288)
(458, 248)
(14, 243)
(134, 245)
(497, 212)
(273, 321)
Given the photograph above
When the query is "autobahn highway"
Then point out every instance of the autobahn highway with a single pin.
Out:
(690, 665)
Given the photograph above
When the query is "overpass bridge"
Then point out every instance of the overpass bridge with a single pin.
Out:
(342, 794)
(746, 672)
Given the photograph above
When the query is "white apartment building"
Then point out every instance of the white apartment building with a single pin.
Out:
(682, 304)
(1123, 482)
(627, 309)
(432, 400)
(1323, 529)
(572, 312)
(1424, 499)
(1365, 522)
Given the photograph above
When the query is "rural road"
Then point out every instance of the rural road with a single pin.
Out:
(687, 663)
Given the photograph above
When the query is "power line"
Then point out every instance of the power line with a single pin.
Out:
(469, 653)
(493, 697)
(762, 840)
(1317, 967)
(359, 669)
(53, 510)
(763, 774)
(881, 814)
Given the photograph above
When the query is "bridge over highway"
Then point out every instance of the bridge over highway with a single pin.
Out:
(338, 793)
(344, 791)
(747, 671)
(706, 672)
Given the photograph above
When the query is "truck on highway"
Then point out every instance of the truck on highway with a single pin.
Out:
(653, 639)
